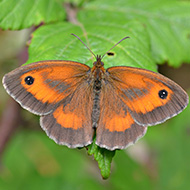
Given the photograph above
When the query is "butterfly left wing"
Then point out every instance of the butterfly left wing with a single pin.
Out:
(59, 92)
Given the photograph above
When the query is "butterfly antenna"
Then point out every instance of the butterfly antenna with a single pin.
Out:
(84, 44)
(116, 45)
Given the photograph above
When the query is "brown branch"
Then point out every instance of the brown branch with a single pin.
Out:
(9, 123)
(71, 12)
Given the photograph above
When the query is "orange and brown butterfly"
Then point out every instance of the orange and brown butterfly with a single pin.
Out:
(76, 102)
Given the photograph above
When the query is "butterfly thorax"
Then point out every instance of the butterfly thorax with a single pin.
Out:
(98, 68)
(97, 72)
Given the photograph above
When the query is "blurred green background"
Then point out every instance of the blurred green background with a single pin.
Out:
(30, 160)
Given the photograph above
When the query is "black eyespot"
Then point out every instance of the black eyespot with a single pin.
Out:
(110, 54)
(163, 94)
(29, 80)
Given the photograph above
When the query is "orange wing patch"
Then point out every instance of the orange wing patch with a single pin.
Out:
(62, 73)
(118, 123)
(139, 88)
(149, 100)
(68, 120)
(40, 90)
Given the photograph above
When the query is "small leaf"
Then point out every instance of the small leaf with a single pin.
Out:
(103, 157)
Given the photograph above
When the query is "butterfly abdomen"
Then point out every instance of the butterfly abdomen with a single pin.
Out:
(96, 102)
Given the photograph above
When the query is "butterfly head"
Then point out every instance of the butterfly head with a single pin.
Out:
(98, 63)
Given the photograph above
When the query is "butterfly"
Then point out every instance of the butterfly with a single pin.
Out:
(76, 102)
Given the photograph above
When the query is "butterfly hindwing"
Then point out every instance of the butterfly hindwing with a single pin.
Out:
(116, 127)
(71, 124)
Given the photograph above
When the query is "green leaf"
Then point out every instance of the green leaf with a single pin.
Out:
(51, 44)
(21, 14)
(167, 22)
(103, 157)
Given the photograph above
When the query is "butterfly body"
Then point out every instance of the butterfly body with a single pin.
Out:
(97, 73)
(75, 101)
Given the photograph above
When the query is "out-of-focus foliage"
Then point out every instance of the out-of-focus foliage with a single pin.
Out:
(159, 32)
(33, 161)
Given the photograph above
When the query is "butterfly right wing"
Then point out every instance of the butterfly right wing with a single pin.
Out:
(132, 99)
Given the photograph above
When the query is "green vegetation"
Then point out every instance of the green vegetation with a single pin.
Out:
(159, 32)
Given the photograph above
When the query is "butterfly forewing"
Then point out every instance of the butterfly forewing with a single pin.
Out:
(150, 97)
(40, 86)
